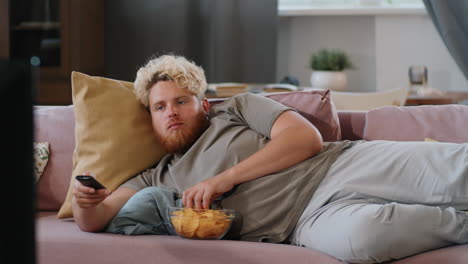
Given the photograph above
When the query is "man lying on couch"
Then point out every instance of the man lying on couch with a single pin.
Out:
(357, 201)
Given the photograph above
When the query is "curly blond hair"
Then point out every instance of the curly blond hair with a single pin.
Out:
(186, 74)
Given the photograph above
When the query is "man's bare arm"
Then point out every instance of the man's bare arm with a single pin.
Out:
(93, 210)
(293, 139)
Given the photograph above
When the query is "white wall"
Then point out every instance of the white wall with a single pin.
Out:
(402, 41)
(382, 47)
(299, 37)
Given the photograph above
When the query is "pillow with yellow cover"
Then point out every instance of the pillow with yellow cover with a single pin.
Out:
(113, 133)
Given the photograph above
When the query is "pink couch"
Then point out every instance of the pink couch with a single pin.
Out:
(60, 241)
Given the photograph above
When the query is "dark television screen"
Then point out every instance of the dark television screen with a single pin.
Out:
(17, 195)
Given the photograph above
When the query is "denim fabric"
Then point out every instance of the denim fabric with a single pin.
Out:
(145, 213)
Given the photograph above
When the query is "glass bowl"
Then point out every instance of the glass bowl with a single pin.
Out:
(200, 223)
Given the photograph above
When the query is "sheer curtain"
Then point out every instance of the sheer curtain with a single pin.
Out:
(233, 40)
(451, 20)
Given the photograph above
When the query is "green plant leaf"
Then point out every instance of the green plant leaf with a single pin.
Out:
(330, 60)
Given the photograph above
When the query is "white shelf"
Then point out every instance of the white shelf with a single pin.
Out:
(290, 11)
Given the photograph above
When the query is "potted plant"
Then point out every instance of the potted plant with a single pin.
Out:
(328, 69)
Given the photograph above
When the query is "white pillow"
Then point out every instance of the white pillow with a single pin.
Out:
(41, 157)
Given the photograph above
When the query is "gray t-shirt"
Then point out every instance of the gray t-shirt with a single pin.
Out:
(240, 126)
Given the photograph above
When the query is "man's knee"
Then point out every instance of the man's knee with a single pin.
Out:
(148, 193)
(143, 213)
(359, 239)
(150, 197)
(356, 234)
(140, 202)
(368, 240)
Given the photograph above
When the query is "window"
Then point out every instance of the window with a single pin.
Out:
(346, 3)
(349, 7)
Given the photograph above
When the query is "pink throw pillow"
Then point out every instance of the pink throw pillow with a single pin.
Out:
(316, 107)
(55, 125)
(444, 123)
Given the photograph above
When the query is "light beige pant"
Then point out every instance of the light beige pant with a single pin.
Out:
(386, 200)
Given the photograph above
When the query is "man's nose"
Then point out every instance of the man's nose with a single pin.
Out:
(172, 110)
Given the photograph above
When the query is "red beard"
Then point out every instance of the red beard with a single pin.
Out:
(180, 140)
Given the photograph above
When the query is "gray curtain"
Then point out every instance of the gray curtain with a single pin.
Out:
(451, 20)
(233, 40)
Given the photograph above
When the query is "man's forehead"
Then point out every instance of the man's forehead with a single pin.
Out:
(162, 95)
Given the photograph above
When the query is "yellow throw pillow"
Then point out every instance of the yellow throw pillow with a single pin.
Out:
(113, 133)
(430, 140)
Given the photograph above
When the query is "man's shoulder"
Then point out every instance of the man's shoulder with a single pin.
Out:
(248, 96)
(243, 98)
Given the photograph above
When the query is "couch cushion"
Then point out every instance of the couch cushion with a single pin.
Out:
(55, 124)
(444, 123)
(61, 241)
(352, 124)
(316, 107)
(452, 255)
(113, 133)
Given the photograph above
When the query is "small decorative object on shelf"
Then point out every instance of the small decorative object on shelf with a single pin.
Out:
(228, 89)
(418, 82)
(328, 69)
(290, 80)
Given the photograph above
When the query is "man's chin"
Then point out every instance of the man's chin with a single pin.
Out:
(176, 147)
(180, 140)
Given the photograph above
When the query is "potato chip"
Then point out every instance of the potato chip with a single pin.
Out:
(177, 224)
(203, 231)
(201, 224)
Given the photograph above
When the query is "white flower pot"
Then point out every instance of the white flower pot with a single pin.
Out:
(336, 81)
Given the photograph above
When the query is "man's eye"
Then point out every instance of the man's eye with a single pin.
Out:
(181, 102)
(159, 108)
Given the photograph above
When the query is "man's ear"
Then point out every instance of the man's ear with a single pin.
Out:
(206, 105)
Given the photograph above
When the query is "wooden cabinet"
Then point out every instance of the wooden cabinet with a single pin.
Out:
(60, 36)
